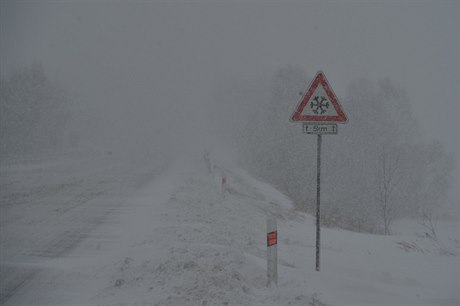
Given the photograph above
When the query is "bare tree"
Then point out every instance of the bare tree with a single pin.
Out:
(378, 169)
(428, 221)
(33, 113)
(386, 184)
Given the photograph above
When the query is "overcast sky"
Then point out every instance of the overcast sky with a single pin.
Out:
(126, 52)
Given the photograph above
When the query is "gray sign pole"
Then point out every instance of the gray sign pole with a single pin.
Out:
(318, 201)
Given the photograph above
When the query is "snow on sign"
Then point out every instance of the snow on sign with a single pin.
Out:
(319, 104)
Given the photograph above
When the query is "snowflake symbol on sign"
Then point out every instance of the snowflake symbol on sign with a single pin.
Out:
(319, 107)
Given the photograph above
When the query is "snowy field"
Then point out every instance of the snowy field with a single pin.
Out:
(92, 233)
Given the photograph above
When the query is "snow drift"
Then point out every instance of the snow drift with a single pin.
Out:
(183, 240)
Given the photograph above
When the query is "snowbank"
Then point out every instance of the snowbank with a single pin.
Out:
(183, 240)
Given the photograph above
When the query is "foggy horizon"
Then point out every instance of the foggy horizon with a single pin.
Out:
(155, 65)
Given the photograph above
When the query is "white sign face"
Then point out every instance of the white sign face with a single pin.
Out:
(319, 104)
(320, 128)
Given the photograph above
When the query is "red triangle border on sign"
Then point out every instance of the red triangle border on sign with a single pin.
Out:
(319, 79)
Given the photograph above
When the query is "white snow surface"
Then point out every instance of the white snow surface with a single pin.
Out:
(178, 240)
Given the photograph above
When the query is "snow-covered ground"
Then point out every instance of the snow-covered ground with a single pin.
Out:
(175, 239)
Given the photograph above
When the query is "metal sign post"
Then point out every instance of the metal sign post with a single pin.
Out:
(318, 201)
(320, 110)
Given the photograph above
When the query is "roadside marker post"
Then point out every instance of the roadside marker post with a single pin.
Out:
(272, 252)
(320, 110)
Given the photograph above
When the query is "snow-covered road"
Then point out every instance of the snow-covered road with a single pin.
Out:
(49, 208)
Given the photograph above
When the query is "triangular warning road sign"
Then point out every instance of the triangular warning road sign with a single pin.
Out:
(319, 103)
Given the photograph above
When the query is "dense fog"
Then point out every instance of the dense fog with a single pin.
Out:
(149, 80)
(144, 145)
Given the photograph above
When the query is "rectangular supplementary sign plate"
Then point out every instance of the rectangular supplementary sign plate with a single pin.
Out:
(320, 128)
